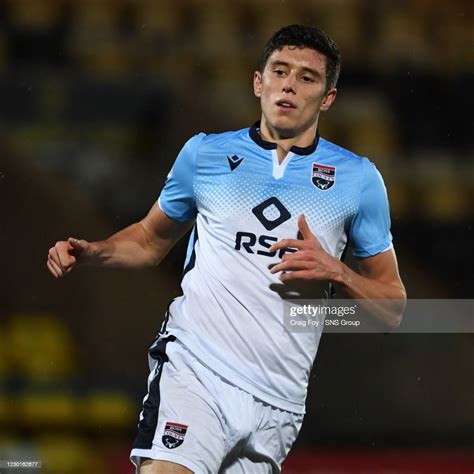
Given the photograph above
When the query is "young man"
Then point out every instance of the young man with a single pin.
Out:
(272, 209)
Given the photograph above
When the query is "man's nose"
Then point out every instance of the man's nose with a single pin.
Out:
(289, 85)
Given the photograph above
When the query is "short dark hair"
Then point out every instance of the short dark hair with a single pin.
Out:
(306, 37)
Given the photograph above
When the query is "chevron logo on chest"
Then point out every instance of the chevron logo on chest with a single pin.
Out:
(234, 161)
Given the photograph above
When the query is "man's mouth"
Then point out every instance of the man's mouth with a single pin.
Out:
(285, 104)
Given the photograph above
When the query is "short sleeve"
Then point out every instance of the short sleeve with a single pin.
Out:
(370, 229)
(177, 197)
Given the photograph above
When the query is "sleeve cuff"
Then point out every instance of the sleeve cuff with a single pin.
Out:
(373, 250)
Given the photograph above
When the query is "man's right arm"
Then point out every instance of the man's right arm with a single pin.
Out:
(142, 244)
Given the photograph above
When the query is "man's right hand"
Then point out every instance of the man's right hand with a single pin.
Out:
(65, 255)
(143, 244)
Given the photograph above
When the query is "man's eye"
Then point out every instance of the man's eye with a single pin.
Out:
(307, 79)
(279, 72)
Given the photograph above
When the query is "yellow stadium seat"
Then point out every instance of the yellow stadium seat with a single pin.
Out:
(108, 409)
(31, 14)
(156, 16)
(95, 39)
(96, 14)
(69, 455)
(47, 409)
(39, 347)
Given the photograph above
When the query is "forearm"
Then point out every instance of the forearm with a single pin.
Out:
(385, 301)
(132, 247)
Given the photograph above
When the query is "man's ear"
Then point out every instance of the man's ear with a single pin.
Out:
(257, 84)
(329, 99)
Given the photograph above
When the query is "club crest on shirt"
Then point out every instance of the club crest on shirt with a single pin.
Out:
(323, 177)
(174, 433)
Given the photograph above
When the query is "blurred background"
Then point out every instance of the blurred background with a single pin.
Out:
(96, 99)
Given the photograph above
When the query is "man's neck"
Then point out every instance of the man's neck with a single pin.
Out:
(285, 143)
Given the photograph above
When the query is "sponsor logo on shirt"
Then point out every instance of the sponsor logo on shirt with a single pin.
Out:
(271, 213)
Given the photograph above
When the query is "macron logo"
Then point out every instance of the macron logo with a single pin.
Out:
(234, 161)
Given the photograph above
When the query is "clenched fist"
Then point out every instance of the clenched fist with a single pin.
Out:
(65, 255)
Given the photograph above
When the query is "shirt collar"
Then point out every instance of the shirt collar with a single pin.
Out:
(298, 150)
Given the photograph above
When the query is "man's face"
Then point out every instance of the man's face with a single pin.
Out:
(292, 90)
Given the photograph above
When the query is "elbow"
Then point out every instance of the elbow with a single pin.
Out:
(399, 305)
(392, 322)
(395, 321)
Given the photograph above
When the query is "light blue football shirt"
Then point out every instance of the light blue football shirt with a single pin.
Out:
(231, 312)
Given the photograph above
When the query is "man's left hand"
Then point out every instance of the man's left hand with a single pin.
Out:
(309, 262)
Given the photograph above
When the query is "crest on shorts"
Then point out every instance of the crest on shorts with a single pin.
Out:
(173, 435)
(323, 177)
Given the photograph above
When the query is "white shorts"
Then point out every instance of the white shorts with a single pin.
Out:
(193, 417)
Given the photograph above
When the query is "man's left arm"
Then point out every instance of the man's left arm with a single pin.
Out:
(378, 278)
